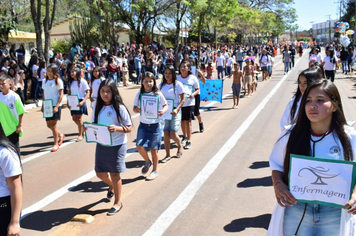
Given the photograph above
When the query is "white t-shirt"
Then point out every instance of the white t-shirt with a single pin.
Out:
(107, 116)
(314, 57)
(329, 65)
(95, 87)
(34, 70)
(190, 80)
(169, 92)
(229, 61)
(13, 101)
(9, 166)
(41, 76)
(220, 60)
(51, 90)
(329, 148)
(73, 87)
(162, 101)
(285, 120)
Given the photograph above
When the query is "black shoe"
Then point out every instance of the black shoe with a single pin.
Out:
(110, 194)
(113, 211)
(188, 145)
(201, 127)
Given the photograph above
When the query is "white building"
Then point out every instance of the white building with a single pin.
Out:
(321, 31)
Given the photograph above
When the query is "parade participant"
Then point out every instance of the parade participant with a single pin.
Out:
(209, 71)
(96, 78)
(125, 74)
(304, 79)
(149, 133)
(12, 111)
(320, 126)
(286, 59)
(315, 56)
(112, 112)
(11, 186)
(191, 84)
(263, 63)
(53, 89)
(220, 64)
(236, 84)
(172, 89)
(329, 64)
(248, 75)
(300, 50)
(78, 86)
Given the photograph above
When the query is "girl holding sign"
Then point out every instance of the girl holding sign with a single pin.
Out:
(172, 90)
(53, 90)
(304, 79)
(151, 104)
(191, 89)
(96, 78)
(79, 87)
(321, 131)
(111, 111)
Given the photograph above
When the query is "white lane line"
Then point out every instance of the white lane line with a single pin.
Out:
(60, 192)
(183, 200)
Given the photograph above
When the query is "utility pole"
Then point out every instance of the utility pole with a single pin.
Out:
(329, 28)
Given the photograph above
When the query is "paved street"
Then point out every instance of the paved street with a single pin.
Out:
(220, 186)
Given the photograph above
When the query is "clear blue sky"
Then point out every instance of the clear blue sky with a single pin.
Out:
(315, 10)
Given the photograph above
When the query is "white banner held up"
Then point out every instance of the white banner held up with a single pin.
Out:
(323, 181)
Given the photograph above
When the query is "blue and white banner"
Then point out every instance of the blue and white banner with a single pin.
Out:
(212, 90)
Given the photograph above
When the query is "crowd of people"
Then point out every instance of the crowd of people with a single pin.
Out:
(94, 73)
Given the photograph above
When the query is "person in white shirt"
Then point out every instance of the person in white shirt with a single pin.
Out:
(220, 65)
(78, 87)
(329, 63)
(321, 131)
(315, 56)
(53, 90)
(229, 64)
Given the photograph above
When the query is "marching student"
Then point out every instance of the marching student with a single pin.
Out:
(96, 78)
(172, 89)
(12, 111)
(238, 78)
(149, 133)
(78, 86)
(320, 127)
(304, 79)
(53, 89)
(191, 83)
(11, 186)
(111, 111)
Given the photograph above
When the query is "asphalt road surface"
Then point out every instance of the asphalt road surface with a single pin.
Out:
(220, 186)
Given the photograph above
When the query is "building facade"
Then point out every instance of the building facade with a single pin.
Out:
(324, 32)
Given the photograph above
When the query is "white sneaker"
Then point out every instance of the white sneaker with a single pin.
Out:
(152, 176)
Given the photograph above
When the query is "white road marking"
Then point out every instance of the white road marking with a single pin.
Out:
(180, 204)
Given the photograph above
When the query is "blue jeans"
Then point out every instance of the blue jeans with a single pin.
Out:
(113, 76)
(228, 69)
(240, 63)
(344, 66)
(38, 89)
(220, 71)
(286, 67)
(319, 220)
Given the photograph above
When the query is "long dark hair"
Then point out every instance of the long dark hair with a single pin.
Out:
(299, 139)
(310, 74)
(77, 75)
(332, 58)
(5, 142)
(116, 101)
(174, 77)
(188, 65)
(150, 75)
(55, 72)
(41, 66)
(98, 68)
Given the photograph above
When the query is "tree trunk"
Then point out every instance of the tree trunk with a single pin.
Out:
(200, 26)
(215, 38)
(36, 18)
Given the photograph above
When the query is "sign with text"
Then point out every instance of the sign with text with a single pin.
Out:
(149, 106)
(96, 133)
(321, 181)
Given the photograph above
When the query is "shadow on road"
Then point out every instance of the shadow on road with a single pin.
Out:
(239, 225)
(259, 165)
(264, 182)
(46, 220)
(90, 187)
